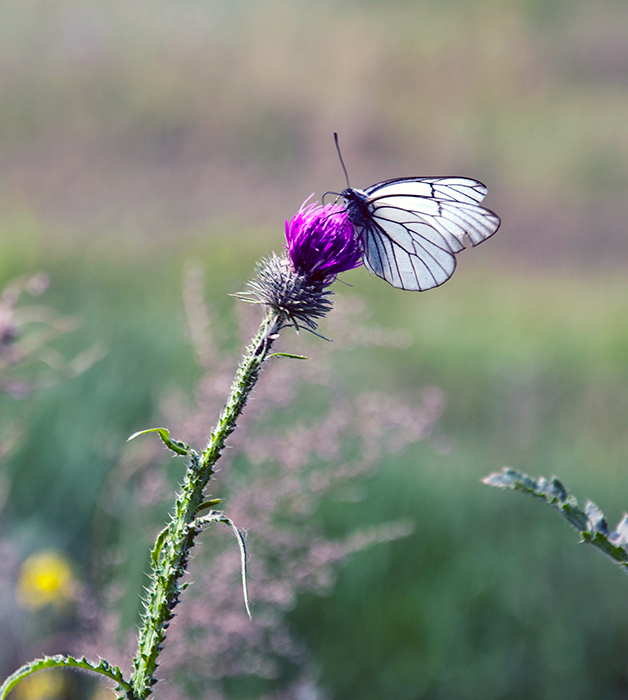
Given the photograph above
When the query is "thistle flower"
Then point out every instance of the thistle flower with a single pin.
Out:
(320, 245)
(321, 242)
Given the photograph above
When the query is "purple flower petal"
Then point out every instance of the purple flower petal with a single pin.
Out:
(321, 242)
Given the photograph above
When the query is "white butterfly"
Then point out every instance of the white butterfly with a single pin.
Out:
(411, 228)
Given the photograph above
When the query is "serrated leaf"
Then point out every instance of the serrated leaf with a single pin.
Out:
(60, 661)
(589, 521)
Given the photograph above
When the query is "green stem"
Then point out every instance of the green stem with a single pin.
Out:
(171, 551)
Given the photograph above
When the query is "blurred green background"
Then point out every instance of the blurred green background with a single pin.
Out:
(137, 137)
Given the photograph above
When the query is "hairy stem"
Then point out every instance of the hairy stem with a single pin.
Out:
(171, 551)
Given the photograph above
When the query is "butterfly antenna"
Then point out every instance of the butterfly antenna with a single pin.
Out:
(338, 195)
(344, 169)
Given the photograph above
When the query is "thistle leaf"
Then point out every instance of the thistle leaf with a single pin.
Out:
(60, 661)
(589, 521)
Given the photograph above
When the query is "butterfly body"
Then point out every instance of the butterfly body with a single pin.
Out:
(411, 229)
(356, 202)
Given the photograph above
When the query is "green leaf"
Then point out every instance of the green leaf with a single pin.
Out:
(218, 517)
(59, 661)
(159, 543)
(181, 448)
(208, 504)
(242, 544)
(588, 520)
(288, 354)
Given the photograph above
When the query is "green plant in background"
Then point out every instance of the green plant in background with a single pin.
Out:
(589, 521)
(28, 360)
(29, 363)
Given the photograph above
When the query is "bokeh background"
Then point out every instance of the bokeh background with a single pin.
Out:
(139, 139)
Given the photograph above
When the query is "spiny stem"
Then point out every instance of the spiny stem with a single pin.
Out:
(169, 562)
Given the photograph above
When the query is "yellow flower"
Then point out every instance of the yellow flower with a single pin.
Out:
(43, 685)
(45, 577)
(104, 693)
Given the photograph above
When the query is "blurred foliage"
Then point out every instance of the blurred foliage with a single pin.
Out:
(45, 578)
(46, 685)
(158, 115)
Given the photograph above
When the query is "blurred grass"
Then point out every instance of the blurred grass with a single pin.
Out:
(128, 298)
(162, 115)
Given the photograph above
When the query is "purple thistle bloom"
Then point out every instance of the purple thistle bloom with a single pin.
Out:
(321, 242)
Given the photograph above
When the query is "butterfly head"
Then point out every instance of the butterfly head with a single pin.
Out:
(356, 205)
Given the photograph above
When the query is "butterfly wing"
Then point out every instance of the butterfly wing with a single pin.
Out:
(415, 226)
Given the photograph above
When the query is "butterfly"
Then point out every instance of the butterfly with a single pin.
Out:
(411, 229)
